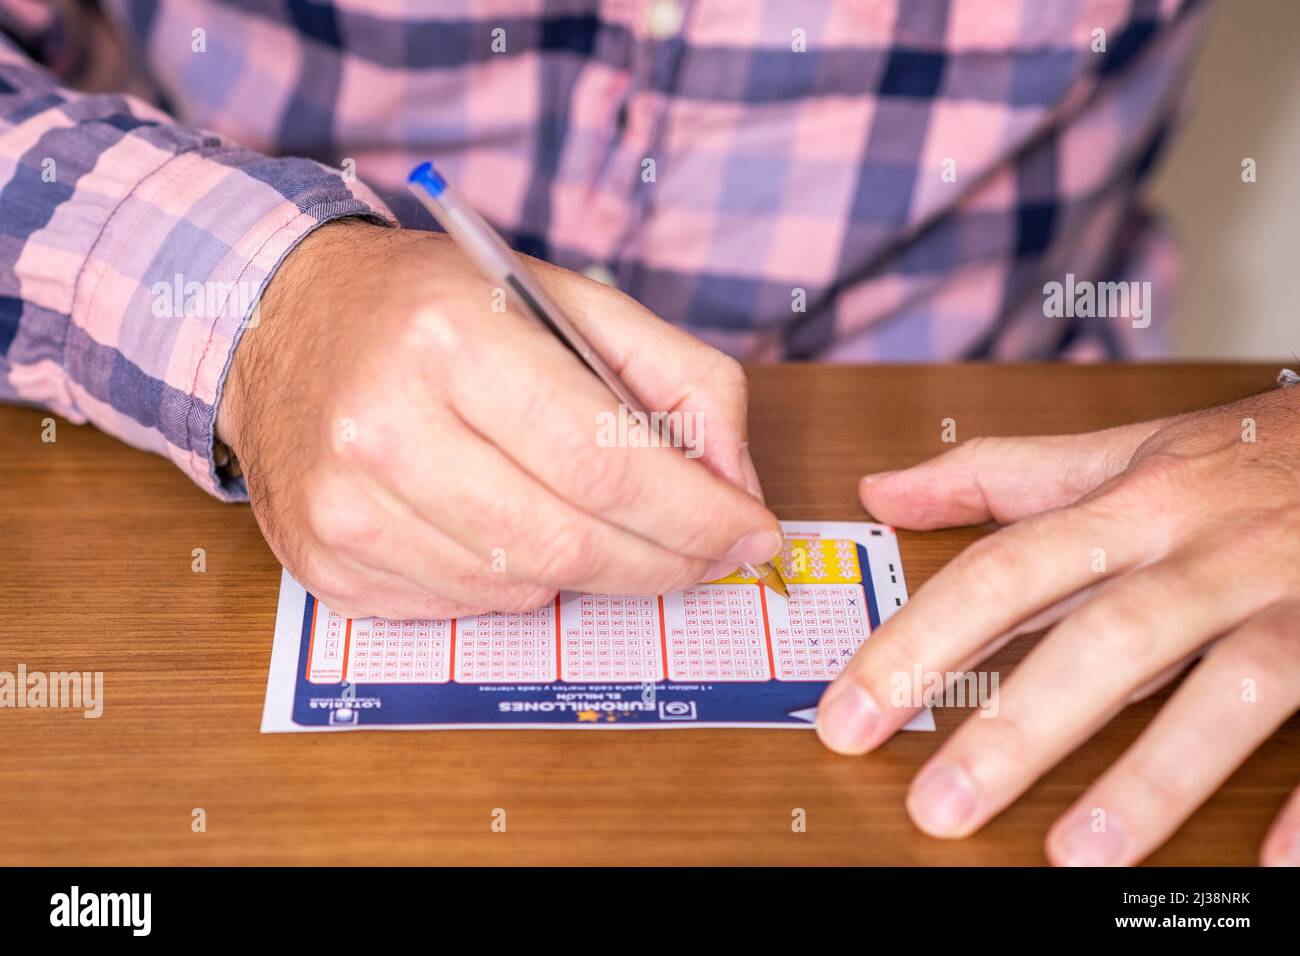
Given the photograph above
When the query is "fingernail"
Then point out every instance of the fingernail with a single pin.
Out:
(1080, 843)
(718, 569)
(754, 547)
(872, 479)
(847, 718)
(942, 801)
(750, 474)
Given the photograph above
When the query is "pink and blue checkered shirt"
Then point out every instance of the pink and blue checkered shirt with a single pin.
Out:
(887, 180)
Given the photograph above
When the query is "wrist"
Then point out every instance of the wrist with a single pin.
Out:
(252, 369)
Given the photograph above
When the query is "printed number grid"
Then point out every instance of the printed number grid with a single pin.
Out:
(827, 623)
(616, 638)
(506, 648)
(721, 637)
(331, 635)
(400, 652)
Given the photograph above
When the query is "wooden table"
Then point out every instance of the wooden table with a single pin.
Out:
(95, 574)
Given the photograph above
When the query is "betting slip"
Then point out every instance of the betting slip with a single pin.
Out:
(727, 653)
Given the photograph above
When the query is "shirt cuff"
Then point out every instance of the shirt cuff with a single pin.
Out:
(172, 281)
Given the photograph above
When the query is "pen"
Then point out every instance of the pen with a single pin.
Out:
(487, 250)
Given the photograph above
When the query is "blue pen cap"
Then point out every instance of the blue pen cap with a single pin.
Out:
(428, 178)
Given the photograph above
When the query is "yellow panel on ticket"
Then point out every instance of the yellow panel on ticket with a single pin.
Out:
(810, 561)
(819, 561)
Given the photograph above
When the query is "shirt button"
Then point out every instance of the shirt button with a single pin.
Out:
(664, 18)
(600, 274)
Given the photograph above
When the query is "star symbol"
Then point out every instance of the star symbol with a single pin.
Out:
(587, 715)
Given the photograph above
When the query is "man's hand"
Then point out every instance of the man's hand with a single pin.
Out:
(1151, 545)
(412, 452)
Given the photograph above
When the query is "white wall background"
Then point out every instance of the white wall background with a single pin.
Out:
(1240, 296)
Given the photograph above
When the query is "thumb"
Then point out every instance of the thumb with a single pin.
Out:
(1001, 479)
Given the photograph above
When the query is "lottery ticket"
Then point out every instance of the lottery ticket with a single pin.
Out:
(727, 653)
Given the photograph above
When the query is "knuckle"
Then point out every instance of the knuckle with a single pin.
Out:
(1007, 736)
(358, 430)
(373, 447)
(1161, 473)
(318, 515)
(1119, 631)
(336, 519)
(1267, 652)
(567, 557)
(1264, 666)
(1158, 786)
(1266, 540)
(431, 330)
(989, 567)
(730, 374)
(371, 456)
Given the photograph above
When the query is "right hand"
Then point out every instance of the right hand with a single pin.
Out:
(411, 453)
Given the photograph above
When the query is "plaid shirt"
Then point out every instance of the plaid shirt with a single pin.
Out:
(855, 180)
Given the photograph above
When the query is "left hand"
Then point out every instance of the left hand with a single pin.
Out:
(1146, 546)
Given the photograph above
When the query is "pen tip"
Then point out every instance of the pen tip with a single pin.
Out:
(774, 581)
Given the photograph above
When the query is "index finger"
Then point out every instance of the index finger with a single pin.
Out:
(670, 369)
(559, 423)
(995, 584)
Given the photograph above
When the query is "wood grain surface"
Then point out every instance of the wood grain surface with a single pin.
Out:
(95, 574)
